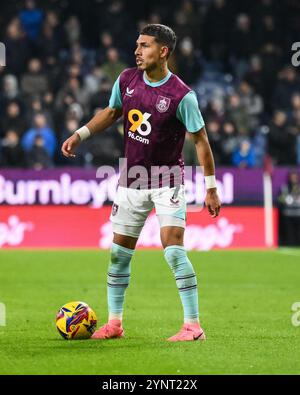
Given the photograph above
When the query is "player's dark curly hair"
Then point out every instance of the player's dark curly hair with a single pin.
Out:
(163, 35)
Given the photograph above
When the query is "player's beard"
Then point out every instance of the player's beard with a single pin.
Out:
(149, 67)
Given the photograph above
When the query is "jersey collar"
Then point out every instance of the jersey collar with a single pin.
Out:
(158, 83)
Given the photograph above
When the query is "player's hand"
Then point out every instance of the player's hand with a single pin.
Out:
(212, 202)
(69, 146)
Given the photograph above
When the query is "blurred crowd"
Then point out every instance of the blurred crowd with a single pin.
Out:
(63, 56)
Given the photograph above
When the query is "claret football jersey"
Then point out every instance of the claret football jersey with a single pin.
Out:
(156, 117)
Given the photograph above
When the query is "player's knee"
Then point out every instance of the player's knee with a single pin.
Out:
(177, 258)
(174, 254)
(120, 257)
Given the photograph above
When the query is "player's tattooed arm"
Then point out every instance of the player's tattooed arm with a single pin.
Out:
(206, 159)
(101, 121)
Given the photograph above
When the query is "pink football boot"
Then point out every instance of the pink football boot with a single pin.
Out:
(113, 329)
(188, 332)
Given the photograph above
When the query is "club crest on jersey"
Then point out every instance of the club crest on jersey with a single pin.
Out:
(162, 103)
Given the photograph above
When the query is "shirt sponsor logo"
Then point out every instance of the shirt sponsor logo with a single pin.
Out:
(136, 137)
(139, 123)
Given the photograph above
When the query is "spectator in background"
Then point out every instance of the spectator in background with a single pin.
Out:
(260, 143)
(74, 70)
(61, 106)
(75, 111)
(216, 27)
(243, 156)
(294, 125)
(72, 30)
(266, 7)
(113, 66)
(215, 139)
(48, 101)
(252, 103)
(289, 204)
(40, 128)
(254, 75)
(51, 40)
(48, 107)
(38, 157)
(122, 26)
(271, 62)
(236, 111)
(154, 17)
(241, 45)
(193, 20)
(13, 119)
(93, 81)
(106, 42)
(72, 124)
(298, 149)
(9, 91)
(229, 142)
(31, 18)
(189, 151)
(52, 20)
(280, 141)
(78, 55)
(17, 48)
(73, 92)
(268, 32)
(189, 66)
(215, 109)
(182, 27)
(295, 103)
(54, 73)
(11, 150)
(35, 107)
(106, 148)
(35, 81)
(101, 97)
(287, 85)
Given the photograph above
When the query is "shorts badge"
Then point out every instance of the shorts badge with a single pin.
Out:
(174, 199)
(114, 210)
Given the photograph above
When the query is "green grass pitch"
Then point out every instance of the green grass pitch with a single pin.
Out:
(245, 306)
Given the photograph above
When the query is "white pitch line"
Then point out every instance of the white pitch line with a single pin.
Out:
(289, 252)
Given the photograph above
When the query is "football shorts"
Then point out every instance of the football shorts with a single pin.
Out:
(131, 208)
